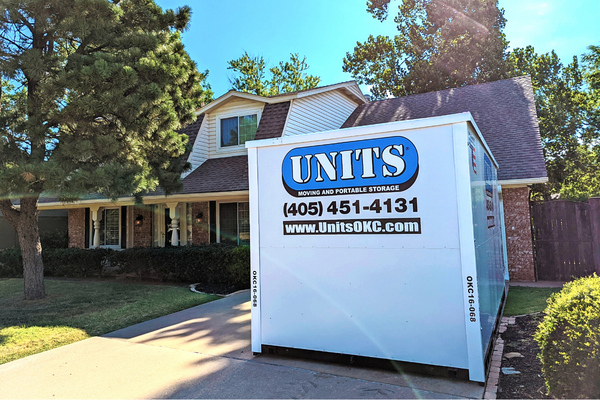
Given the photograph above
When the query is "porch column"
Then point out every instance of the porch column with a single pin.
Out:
(174, 214)
(96, 213)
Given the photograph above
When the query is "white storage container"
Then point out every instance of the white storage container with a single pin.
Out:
(380, 241)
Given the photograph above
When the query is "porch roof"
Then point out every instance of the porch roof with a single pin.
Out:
(228, 174)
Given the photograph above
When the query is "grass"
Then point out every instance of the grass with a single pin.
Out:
(76, 310)
(527, 300)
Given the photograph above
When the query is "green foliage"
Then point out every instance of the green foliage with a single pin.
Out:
(208, 264)
(567, 109)
(100, 87)
(240, 266)
(11, 263)
(289, 76)
(440, 45)
(54, 239)
(75, 263)
(63, 262)
(569, 340)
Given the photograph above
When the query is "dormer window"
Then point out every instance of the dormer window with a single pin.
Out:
(237, 130)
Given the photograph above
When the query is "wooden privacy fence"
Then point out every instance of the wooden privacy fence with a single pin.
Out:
(566, 238)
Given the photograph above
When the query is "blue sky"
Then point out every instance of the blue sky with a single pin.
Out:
(324, 30)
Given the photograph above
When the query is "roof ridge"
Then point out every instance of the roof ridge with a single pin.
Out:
(457, 88)
(305, 90)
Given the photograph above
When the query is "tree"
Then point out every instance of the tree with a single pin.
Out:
(99, 87)
(440, 45)
(567, 110)
(290, 76)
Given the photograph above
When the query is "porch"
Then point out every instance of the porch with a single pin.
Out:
(160, 223)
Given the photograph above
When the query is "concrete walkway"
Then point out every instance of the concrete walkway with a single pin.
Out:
(203, 352)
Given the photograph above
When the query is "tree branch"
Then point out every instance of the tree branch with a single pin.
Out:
(10, 212)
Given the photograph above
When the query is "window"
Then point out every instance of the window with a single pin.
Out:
(234, 223)
(110, 228)
(238, 130)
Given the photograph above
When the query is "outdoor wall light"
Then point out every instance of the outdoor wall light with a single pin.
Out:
(139, 221)
(199, 218)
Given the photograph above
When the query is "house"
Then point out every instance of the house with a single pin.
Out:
(213, 204)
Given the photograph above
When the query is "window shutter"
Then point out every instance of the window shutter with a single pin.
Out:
(87, 229)
(212, 207)
(123, 227)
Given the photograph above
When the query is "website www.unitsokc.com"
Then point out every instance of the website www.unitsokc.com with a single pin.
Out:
(353, 226)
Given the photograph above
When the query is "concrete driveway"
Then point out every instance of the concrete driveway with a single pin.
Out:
(203, 352)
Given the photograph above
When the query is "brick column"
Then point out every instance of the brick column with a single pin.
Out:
(200, 232)
(76, 227)
(142, 235)
(519, 244)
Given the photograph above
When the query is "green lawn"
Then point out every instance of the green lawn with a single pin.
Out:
(527, 300)
(75, 310)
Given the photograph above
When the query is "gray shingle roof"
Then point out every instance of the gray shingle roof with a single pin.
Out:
(272, 120)
(503, 110)
(226, 174)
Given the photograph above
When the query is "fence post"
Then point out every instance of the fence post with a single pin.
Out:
(594, 203)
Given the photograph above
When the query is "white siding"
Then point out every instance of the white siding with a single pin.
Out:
(356, 90)
(230, 109)
(199, 152)
(319, 112)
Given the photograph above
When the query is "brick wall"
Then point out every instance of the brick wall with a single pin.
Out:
(200, 232)
(142, 235)
(519, 245)
(76, 228)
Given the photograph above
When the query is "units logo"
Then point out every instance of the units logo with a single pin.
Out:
(388, 164)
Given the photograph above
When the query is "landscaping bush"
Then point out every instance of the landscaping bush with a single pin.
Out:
(569, 339)
(74, 262)
(54, 239)
(11, 263)
(214, 263)
(240, 266)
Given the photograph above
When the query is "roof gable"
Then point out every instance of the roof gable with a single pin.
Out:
(350, 88)
(503, 110)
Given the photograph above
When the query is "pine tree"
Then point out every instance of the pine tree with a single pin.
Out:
(289, 76)
(93, 91)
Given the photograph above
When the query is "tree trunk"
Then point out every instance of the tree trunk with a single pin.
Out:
(25, 222)
(31, 250)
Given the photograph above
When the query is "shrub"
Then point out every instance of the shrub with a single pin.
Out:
(11, 263)
(569, 340)
(209, 264)
(54, 239)
(240, 266)
(74, 262)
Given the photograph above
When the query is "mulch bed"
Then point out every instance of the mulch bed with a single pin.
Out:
(529, 383)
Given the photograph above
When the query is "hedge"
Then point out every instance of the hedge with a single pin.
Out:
(11, 264)
(71, 263)
(569, 340)
(207, 264)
